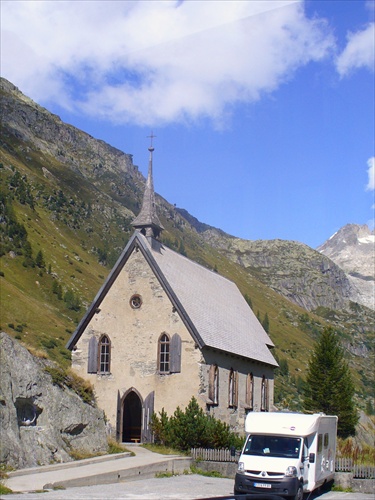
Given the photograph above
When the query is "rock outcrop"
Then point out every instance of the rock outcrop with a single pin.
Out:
(353, 249)
(41, 423)
(290, 268)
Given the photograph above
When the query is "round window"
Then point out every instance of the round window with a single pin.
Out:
(136, 301)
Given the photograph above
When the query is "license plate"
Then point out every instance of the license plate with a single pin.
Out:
(262, 485)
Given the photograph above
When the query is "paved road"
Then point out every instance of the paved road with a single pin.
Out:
(183, 487)
(129, 478)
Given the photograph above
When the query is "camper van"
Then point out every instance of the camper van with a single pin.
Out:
(286, 454)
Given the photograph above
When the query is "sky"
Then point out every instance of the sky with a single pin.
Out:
(263, 111)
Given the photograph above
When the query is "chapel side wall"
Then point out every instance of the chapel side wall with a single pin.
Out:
(235, 417)
(134, 335)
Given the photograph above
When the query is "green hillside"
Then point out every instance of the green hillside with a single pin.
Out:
(65, 221)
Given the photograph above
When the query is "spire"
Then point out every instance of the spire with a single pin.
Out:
(147, 220)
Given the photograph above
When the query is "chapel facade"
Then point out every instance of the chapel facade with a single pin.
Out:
(162, 329)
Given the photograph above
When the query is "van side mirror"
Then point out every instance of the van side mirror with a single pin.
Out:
(232, 451)
(312, 458)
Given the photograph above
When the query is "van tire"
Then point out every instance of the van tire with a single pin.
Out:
(299, 494)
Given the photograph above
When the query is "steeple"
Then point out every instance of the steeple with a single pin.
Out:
(147, 220)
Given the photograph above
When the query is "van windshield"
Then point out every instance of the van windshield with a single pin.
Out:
(273, 446)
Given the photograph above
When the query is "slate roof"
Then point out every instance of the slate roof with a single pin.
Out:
(211, 306)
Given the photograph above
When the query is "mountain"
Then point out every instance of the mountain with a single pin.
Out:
(66, 205)
(292, 269)
(353, 249)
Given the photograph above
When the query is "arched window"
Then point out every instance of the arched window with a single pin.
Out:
(264, 395)
(213, 385)
(250, 391)
(163, 357)
(233, 389)
(104, 353)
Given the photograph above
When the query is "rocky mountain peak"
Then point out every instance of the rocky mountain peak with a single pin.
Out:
(353, 249)
(349, 235)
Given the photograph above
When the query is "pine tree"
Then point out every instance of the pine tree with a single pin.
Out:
(39, 260)
(329, 386)
(266, 323)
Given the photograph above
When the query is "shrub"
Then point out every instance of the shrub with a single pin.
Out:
(67, 378)
(192, 428)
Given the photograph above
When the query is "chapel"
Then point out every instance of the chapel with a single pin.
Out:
(162, 329)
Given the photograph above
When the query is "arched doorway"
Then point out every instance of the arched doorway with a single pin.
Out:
(131, 418)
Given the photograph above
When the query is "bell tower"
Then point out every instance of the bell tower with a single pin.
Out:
(147, 221)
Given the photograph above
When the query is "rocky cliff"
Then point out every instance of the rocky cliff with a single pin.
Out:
(296, 271)
(42, 423)
(353, 249)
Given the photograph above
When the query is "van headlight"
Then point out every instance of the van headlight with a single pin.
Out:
(241, 467)
(291, 471)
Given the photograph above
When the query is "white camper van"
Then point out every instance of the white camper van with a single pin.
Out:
(286, 454)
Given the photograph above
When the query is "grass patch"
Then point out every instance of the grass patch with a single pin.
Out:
(363, 454)
(163, 450)
(164, 474)
(4, 469)
(115, 447)
(200, 472)
(68, 378)
(4, 490)
(82, 455)
(340, 488)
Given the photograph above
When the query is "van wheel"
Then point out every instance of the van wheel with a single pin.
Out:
(299, 494)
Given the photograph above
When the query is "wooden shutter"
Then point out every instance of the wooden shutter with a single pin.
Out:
(148, 410)
(235, 395)
(175, 354)
(92, 365)
(119, 418)
(211, 383)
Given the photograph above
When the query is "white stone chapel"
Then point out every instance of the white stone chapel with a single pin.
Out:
(162, 329)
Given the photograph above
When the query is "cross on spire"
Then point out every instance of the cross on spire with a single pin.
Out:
(152, 136)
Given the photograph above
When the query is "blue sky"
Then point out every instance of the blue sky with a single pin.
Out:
(263, 111)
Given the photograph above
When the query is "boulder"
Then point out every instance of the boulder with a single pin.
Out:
(42, 423)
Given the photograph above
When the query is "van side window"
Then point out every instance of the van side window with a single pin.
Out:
(326, 440)
(320, 443)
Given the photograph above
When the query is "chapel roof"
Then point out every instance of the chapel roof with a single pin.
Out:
(214, 305)
(211, 306)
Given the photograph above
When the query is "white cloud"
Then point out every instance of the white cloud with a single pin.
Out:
(160, 61)
(359, 51)
(371, 174)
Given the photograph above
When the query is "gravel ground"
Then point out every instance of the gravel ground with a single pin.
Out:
(184, 487)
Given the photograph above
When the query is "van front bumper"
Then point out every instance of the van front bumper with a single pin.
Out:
(286, 486)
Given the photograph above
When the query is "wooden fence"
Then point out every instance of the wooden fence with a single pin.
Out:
(226, 455)
(217, 455)
(359, 471)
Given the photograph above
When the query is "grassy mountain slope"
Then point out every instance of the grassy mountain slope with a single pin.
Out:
(67, 201)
